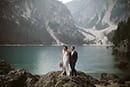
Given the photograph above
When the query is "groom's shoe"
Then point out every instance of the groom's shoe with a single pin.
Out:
(71, 73)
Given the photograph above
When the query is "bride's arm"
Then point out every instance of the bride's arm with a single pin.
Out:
(62, 56)
(68, 56)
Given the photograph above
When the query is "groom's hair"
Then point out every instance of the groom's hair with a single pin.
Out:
(66, 46)
(73, 46)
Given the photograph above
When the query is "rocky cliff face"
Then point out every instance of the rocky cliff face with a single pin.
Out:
(31, 21)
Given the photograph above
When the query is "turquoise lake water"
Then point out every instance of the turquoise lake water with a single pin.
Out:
(42, 59)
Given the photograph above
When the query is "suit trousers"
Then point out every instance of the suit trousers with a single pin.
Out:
(72, 65)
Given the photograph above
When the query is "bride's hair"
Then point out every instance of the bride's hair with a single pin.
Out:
(66, 46)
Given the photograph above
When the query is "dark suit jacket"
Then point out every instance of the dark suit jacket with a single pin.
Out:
(74, 57)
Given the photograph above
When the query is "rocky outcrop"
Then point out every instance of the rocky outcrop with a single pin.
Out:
(20, 78)
(15, 78)
(4, 67)
(54, 79)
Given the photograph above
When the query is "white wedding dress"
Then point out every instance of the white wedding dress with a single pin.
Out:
(66, 63)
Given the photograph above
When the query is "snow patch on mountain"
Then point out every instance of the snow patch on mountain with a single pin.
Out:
(99, 36)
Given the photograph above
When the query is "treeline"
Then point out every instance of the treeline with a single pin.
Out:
(24, 33)
(18, 29)
(121, 37)
(122, 32)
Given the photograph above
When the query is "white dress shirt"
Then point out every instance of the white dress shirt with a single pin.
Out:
(72, 52)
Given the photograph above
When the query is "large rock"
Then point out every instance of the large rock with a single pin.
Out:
(15, 78)
(4, 67)
(18, 78)
(54, 79)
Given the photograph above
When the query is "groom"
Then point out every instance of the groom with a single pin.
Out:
(73, 60)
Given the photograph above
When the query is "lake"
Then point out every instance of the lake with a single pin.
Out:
(42, 59)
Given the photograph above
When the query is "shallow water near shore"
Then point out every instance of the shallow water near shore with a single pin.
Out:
(42, 59)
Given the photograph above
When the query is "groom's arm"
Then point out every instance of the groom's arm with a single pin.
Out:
(76, 56)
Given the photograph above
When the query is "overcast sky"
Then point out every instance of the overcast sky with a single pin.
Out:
(65, 1)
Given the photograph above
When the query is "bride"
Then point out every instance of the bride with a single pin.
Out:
(65, 61)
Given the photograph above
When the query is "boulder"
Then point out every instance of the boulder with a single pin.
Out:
(54, 79)
(4, 67)
(14, 79)
(18, 78)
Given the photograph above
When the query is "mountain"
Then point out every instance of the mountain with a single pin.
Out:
(98, 13)
(37, 22)
(97, 18)
(51, 22)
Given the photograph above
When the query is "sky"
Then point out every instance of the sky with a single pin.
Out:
(65, 1)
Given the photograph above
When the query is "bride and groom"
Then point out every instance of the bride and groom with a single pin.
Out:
(69, 59)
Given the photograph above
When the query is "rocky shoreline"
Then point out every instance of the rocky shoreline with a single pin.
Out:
(10, 77)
